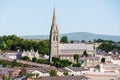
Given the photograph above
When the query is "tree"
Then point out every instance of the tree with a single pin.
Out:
(90, 41)
(26, 58)
(76, 65)
(14, 63)
(60, 63)
(29, 75)
(43, 47)
(39, 61)
(85, 53)
(53, 72)
(71, 41)
(34, 59)
(65, 73)
(103, 60)
(83, 41)
(64, 39)
(106, 46)
(9, 42)
(37, 74)
(76, 57)
(4, 63)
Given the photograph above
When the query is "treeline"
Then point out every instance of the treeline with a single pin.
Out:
(14, 63)
(34, 59)
(108, 46)
(14, 43)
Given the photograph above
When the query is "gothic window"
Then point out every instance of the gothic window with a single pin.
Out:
(53, 38)
(56, 38)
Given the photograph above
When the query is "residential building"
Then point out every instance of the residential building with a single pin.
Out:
(66, 78)
(31, 54)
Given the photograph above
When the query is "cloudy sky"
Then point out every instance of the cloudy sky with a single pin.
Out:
(34, 17)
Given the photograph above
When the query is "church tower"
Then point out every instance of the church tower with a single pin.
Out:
(54, 39)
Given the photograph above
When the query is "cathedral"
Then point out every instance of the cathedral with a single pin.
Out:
(66, 51)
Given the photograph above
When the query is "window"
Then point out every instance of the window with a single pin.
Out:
(53, 38)
(56, 38)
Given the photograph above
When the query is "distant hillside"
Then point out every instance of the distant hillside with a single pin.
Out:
(77, 36)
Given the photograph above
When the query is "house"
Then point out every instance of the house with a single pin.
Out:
(77, 71)
(13, 72)
(60, 71)
(41, 71)
(115, 59)
(9, 72)
(65, 78)
(3, 73)
(103, 76)
(92, 61)
(31, 54)
(10, 55)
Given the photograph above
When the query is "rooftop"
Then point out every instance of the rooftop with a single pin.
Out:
(65, 78)
(77, 46)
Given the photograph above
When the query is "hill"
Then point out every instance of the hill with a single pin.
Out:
(77, 36)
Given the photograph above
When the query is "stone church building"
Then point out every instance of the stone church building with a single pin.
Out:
(66, 51)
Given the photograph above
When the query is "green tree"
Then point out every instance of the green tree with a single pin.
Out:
(103, 60)
(14, 63)
(39, 61)
(9, 42)
(26, 58)
(37, 74)
(85, 53)
(53, 72)
(43, 47)
(4, 63)
(76, 57)
(65, 73)
(29, 75)
(106, 46)
(60, 63)
(83, 41)
(64, 39)
(76, 65)
(71, 41)
(34, 59)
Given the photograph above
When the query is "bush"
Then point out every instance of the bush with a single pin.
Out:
(103, 60)
(65, 73)
(53, 72)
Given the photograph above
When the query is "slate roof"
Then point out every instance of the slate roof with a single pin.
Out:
(65, 78)
(76, 46)
(63, 70)
(77, 68)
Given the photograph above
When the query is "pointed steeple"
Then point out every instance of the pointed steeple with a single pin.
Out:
(54, 18)
(54, 38)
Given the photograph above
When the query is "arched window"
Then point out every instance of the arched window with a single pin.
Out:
(53, 38)
(56, 38)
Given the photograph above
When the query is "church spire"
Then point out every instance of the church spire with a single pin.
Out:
(54, 18)
(54, 38)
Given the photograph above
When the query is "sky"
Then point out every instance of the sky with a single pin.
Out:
(34, 17)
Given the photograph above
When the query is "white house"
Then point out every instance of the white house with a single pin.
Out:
(31, 54)
(77, 71)
(10, 55)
